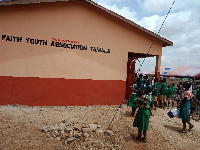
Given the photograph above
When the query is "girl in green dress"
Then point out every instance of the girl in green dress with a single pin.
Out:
(133, 96)
(141, 120)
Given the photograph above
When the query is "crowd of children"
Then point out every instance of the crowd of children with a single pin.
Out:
(149, 94)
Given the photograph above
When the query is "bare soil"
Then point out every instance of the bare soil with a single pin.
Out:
(20, 128)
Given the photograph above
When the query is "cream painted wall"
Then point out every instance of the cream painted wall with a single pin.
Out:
(75, 21)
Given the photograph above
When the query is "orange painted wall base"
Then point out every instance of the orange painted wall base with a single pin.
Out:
(35, 91)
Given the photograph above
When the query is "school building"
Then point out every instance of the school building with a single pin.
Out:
(69, 52)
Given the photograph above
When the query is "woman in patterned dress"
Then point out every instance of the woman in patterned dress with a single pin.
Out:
(184, 107)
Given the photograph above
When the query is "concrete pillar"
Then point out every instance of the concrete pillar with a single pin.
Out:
(157, 68)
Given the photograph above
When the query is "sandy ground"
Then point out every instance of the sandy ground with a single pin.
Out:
(20, 128)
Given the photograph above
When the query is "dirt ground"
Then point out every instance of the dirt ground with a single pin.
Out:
(20, 128)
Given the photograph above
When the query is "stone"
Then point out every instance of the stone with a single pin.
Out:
(58, 138)
(68, 129)
(99, 131)
(108, 133)
(62, 131)
(84, 125)
(77, 134)
(62, 126)
(86, 130)
(71, 133)
(98, 126)
(55, 133)
(65, 136)
(69, 140)
(93, 126)
(63, 121)
(85, 135)
(54, 127)
(46, 129)
(77, 127)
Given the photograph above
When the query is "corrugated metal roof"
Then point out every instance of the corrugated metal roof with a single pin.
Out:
(176, 71)
(165, 41)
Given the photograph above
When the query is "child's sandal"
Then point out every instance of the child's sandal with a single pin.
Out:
(190, 127)
(138, 138)
(144, 140)
(184, 131)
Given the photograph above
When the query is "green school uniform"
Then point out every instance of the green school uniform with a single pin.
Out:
(184, 112)
(159, 87)
(155, 92)
(163, 89)
(142, 80)
(141, 120)
(133, 96)
(168, 93)
(179, 91)
(173, 90)
(198, 95)
(131, 100)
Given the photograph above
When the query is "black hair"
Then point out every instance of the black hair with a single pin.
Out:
(187, 85)
(147, 90)
(140, 75)
(173, 84)
(156, 80)
(146, 77)
(140, 92)
(164, 79)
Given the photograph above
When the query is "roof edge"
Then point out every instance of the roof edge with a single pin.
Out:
(165, 42)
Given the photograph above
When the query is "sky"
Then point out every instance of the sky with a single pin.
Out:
(182, 27)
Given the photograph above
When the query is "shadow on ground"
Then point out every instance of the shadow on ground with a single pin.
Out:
(173, 128)
(127, 114)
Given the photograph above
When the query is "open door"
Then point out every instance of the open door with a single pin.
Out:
(130, 76)
(132, 57)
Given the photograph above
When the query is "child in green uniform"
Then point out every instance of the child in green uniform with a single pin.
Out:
(159, 96)
(133, 96)
(179, 92)
(155, 92)
(163, 91)
(197, 93)
(143, 114)
(168, 95)
(173, 93)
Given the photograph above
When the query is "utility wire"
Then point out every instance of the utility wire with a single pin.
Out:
(118, 108)
(141, 64)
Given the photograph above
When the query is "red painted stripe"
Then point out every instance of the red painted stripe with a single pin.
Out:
(60, 92)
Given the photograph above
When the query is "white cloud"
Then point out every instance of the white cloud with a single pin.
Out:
(152, 23)
(121, 10)
(182, 26)
(124, 11)
(156, 5)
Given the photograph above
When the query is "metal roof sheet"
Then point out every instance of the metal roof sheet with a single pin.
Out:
(176, 71)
